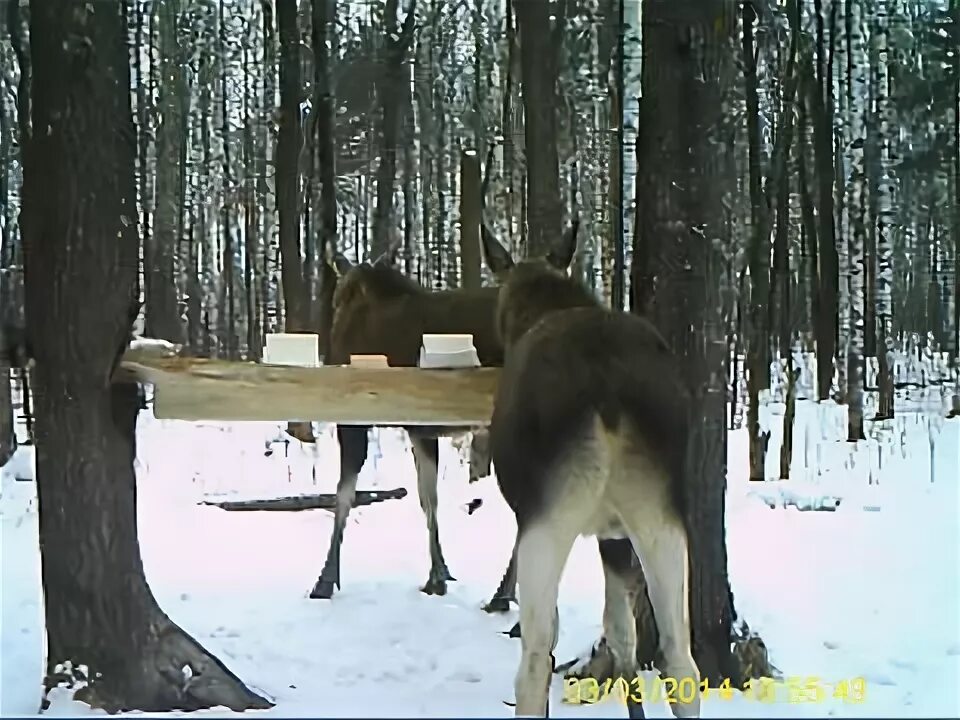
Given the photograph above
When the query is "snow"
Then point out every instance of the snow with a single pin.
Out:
(868, 590)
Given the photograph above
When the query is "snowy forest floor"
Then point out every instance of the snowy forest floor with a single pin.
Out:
(869, 590)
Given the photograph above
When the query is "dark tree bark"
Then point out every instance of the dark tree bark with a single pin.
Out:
(8, 435)
(687, 63)
(807, 207)
(296, 299)
(324, 20)
(539, 50)
(616, 90)
(471, 203)
(758, 360)
(781, 307)
(955, 8)
(162, 312)
(821, 107)
(80, 200)
(8, 438)
(227, 305)
(390, 93)
(293, 268)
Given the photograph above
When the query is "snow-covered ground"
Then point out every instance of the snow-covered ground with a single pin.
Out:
(869, 590)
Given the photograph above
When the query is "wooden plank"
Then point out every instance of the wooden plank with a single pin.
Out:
(201, 389)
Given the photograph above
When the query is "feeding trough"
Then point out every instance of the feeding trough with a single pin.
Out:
(292, 387)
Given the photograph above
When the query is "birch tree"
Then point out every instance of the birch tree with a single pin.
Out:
(885, 217)
(857, 93)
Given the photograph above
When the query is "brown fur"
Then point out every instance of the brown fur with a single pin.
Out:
(379, 311)
(570, 358)
(588, 437)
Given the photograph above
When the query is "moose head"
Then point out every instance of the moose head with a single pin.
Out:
(533, 286)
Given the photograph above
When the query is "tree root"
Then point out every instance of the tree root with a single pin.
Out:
(174, 673)
(750, 653)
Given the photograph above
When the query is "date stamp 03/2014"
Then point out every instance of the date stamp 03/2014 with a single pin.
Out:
(793, 689)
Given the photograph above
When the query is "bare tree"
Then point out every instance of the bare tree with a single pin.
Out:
(296, 295)
(323, 27)
(80, 202)
(856, 208)
(162, 312)
(539, 43)
(391, 93)
(687, 72)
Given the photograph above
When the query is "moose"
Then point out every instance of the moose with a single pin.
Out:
(379, 310)
(588, 437)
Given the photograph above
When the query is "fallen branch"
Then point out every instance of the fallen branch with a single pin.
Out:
(321, 501)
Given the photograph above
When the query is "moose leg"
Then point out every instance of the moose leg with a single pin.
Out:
(426, 456)
(507, 591)
(660, 539)
(353, 454)
(614, 654)
(542, 551)
(480, 454)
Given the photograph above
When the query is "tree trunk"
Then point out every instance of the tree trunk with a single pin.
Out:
(296, 289)
(955, 8)
(228, 305)
(821, 106)
(810, 232)
(251, 219)
(390, 92)
(538, 62)
(884, 220)
(8, 437)
(856, 208)
(162, 311)
(289, 142)
(325, 18)
(79, 193)
(681, 189)
(266, 244)
(470, 205)
(783, 302)
(758, 361)
(615, 191)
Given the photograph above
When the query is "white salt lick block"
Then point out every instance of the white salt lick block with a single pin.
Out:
(292, 349)
(447, 343)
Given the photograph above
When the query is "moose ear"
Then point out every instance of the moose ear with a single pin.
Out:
(341, 264)
(496, 255)
(562, 254)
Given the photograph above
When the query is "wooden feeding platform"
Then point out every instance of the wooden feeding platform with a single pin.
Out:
(219, 390)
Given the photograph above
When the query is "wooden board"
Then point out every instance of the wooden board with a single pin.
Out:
(200, 389)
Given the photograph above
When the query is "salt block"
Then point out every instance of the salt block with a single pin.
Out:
(369, 361)
(449, 360)
(292, 349)
(447, 342)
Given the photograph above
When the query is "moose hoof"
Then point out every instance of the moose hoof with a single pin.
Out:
(434, 586)
(323, 590)
(514, 632)
(497, 605)
(598, 662)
